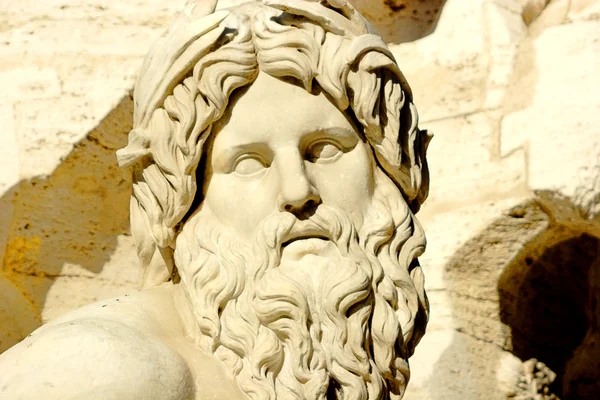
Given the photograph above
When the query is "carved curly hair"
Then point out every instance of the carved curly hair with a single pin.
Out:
(192, 70)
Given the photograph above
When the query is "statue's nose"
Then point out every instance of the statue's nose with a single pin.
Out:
(297, 194)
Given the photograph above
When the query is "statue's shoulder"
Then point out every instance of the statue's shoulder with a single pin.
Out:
(96, 353)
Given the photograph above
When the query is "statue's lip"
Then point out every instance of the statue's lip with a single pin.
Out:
(302, 234)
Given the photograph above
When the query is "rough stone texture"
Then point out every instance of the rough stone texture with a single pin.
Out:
(536, 382)
(559, 112)
(514, 119)
(400, 21)
(507, 86)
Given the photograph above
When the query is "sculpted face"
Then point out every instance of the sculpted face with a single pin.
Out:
(282, 149)
(277, 262)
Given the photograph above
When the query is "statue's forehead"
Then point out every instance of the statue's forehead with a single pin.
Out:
(272, 110)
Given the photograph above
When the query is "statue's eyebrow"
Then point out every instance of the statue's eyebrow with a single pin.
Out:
(338, 131)
(225, 156)
(346, 135)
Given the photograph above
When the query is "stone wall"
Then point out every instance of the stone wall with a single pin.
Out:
(510, 89)
(513, 218)
(67, 71)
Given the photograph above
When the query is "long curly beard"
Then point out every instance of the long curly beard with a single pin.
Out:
(315, 328)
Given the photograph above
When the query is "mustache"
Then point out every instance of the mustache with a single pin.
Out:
(281, 228)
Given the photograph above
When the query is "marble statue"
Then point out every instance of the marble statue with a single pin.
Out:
(277, 168)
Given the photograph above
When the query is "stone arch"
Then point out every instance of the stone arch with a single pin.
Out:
(526, 285)
(548, 299)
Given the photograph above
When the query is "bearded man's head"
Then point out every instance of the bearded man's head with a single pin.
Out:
(277, 167)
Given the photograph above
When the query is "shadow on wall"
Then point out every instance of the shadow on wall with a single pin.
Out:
(547, 300)
(63, 225)
(468, 367)
(528, 286)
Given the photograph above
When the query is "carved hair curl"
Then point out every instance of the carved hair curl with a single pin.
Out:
(191, 72)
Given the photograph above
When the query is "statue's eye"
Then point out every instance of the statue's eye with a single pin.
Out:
(324, 152)
(249, 165)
